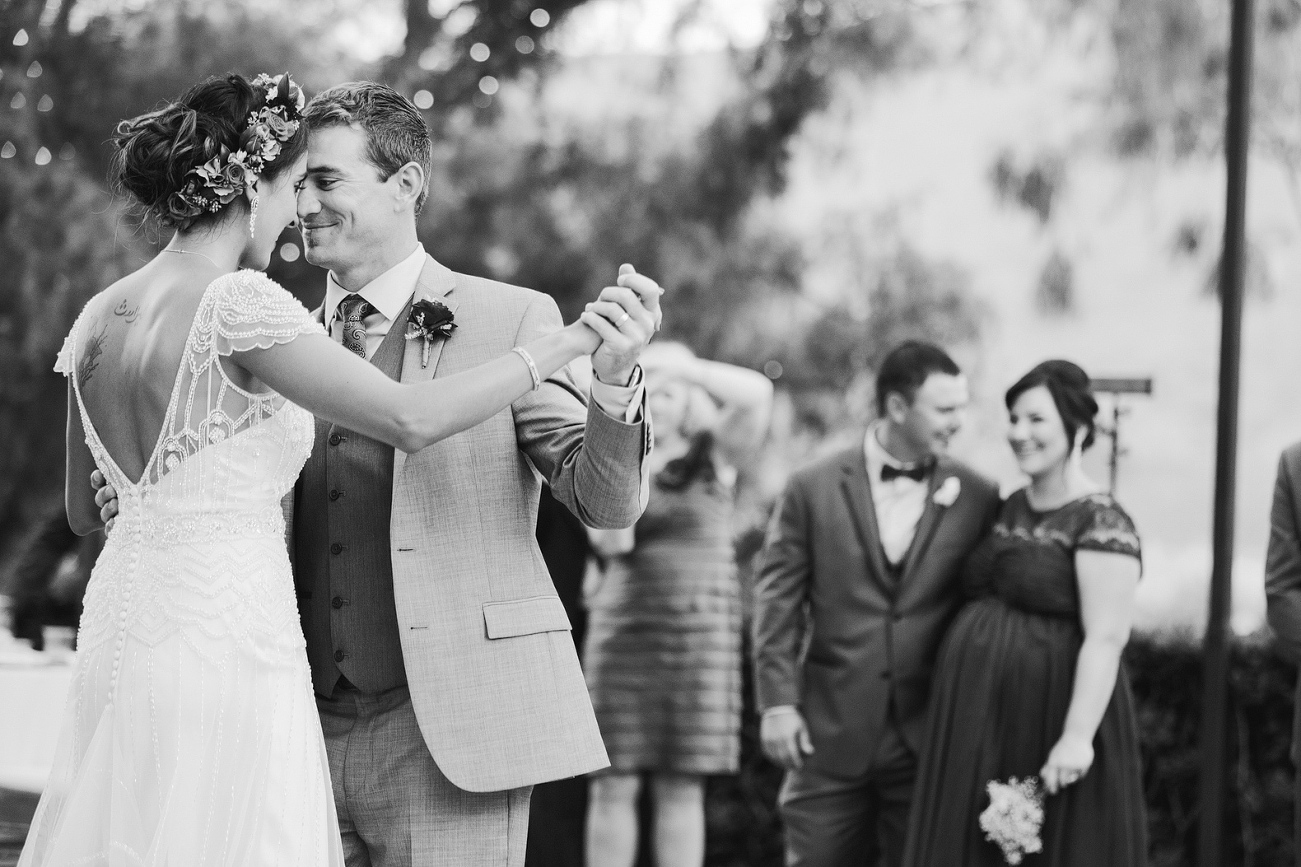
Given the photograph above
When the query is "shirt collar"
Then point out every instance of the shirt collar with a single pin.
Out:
(877, 456)
(388, 293)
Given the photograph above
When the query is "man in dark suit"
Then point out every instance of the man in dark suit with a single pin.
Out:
(1283, 584)
(858, 580)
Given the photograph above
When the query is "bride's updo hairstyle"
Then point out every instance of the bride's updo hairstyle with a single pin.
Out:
(176, 162)
(1072, 393)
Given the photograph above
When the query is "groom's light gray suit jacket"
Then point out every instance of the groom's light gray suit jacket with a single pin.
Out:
(484, 640)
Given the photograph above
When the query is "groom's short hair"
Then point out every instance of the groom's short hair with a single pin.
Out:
(906, 368)
(396, 134)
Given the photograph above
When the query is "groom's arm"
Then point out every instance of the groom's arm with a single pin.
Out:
(593, 461)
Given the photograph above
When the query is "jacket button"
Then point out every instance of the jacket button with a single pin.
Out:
(338, 655)
(337, 602)
(335, 439)
(336, 494)
(336, 548)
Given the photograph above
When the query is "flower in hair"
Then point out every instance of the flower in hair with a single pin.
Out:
(216, 183)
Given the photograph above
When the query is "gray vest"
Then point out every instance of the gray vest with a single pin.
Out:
(342, 564)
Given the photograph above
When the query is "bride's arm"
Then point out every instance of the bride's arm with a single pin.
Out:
(321, 376)
(78, 495)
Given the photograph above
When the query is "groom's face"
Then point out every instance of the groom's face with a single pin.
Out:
(345, 207)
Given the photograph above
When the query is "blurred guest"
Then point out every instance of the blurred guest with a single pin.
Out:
(1029, 681)
(43, 593)
(663, 644)
(1283, 584)
(857, 582)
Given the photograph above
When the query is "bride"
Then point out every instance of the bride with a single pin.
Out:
(191, 735)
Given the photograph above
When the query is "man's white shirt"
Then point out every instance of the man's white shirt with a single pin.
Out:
(899, 502)
(389, 293)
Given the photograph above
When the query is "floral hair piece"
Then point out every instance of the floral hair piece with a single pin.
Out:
(215, 184)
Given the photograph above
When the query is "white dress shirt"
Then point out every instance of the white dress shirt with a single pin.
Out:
(899, 502)
(389, 293)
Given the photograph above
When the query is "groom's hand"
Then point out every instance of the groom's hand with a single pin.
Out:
(785, 737)
(105, 498)
(625, 316)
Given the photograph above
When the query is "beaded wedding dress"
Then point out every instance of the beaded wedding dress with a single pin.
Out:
(191, 737)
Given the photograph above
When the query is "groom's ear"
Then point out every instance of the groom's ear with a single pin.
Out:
(410, 183)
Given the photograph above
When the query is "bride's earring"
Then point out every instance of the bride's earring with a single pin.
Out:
(252, 217)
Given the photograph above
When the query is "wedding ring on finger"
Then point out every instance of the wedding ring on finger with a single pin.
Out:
(622, 319)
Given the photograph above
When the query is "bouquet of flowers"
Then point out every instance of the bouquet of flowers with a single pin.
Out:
(1014, 817)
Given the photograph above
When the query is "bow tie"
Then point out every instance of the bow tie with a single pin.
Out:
(917, 472)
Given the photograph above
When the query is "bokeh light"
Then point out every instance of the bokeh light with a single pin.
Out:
(423, 99)
(480, 52)
(35, 70)
(289, 252)
(481, 100)
(540, 17)
(67, 152)
(18, 101)
(45, 104)
(20, 38)
(524, 45)
(773, 369)
(8, 151)
(43, 156)
(488, 85)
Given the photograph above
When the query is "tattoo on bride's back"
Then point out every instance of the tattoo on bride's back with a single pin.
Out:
(90, 357)
(126, 312)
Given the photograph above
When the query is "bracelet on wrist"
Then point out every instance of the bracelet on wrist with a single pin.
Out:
(533, 368)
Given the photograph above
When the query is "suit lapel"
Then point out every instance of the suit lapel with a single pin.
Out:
(857, 488)
(929, 520)
(436, 282)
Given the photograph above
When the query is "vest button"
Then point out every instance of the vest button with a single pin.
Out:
(339, 655)
(337, 602)
(335, 439)
(336, 548)
(336, 494)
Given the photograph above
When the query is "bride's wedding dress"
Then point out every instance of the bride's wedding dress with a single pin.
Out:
(191, 735)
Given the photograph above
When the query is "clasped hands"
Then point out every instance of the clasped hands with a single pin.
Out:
(620, 323)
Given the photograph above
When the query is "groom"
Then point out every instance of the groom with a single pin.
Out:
(857, 582)
(445, 676)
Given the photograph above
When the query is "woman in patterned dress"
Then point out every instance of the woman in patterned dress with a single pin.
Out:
(663, 650)
(1030, 681)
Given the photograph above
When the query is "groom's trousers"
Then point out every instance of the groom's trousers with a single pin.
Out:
(851, 822)
(396, 808)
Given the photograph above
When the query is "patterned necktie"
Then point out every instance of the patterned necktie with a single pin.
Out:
(353, 310)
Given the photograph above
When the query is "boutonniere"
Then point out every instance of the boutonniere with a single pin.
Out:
(429, 319)
(947, 494)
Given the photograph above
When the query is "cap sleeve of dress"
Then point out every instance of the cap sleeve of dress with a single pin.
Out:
(1109, 529)
(249, 310)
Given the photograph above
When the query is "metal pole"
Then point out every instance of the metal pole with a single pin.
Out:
(1214, 707)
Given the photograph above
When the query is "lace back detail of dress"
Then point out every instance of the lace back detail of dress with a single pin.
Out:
(240, 311)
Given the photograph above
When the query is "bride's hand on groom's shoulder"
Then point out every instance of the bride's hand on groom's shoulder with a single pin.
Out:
(625, 317)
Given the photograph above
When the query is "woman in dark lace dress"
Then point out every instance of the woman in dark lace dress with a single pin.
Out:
(1029, 681)
(663, 651)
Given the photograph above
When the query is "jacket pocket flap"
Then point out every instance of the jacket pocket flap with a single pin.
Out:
(525, 617)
